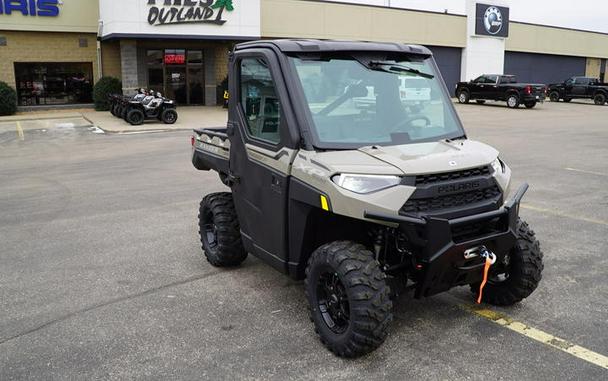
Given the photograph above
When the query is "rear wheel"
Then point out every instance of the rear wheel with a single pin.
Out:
(219, 231)
(463, 96)
(554, 96)
(513, 101)
(169, 116)
(599, 99)
(348, 298)
(135, 117)
(518, 275)
(480, 101)
(530, 104)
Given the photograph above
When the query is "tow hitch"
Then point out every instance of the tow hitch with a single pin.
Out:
(490, 260)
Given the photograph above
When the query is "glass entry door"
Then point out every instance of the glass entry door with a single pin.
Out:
(178, 74)
(175, 84)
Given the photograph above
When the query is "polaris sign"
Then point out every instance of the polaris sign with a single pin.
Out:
(492, 20)
(46, 8)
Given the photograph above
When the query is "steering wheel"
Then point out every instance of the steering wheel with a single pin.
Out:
(408, 122)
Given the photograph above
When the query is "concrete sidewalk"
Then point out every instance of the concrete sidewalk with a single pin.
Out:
(189, 118)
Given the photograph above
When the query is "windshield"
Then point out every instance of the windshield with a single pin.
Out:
(361, 102)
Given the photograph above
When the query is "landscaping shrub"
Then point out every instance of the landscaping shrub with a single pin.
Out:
(8, 99)
(104, 87)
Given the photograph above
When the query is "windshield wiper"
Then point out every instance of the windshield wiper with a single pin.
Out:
(461, 137)
(392, 67)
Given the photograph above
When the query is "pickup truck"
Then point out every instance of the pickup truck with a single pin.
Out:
(496, 87)
(579, 87)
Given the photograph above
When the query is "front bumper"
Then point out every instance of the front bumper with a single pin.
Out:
(441, 262)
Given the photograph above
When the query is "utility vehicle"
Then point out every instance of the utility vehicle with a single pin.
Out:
(506, 88)
(358, 200)
(579, 88)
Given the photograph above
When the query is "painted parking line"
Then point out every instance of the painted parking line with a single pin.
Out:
(587, 172)
(541, 336)
(20, 131)
(565, 215)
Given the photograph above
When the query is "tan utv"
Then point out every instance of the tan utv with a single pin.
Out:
(342, 175)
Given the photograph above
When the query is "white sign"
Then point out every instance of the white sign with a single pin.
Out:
(175, 18)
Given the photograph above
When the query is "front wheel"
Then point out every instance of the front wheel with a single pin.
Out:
(219, 230)
(518, 275)
(554, 96)
(513, 101)
(348, 298)
(530, 104)
(599, 99)
(169, 116)
(463, 96)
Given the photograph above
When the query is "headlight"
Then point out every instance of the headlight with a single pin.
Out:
(498, 165)
(365, 183)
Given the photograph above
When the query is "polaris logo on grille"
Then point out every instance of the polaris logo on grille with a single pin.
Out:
(461, 187)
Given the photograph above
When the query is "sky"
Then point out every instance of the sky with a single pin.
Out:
(580, 14)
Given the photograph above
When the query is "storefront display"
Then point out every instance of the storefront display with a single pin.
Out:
(53, 83)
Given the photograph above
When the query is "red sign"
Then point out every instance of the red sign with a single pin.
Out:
(175, 59)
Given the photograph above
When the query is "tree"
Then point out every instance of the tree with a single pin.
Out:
(221, 5)
(224, 4)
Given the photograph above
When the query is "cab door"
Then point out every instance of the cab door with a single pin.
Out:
(491, 87)
(579, 87)
(475, 88)
(262, 150)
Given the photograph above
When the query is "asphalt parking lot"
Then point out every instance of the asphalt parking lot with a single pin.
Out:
(102, 276)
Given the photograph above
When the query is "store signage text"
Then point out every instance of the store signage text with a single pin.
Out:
(48, 8)
(167, 12)
(175, 59)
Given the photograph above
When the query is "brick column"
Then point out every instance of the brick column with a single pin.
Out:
(128, 59)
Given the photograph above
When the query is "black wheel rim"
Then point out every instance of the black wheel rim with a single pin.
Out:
(136, 118)
(333, 302)
(170, 117)
(209, 231)
(501, 272)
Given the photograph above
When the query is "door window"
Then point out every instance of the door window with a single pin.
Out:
(259, 100)
(491, 79)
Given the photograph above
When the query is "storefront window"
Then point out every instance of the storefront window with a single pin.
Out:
(54, 83)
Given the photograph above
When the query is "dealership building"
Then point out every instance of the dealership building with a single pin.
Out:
(53, 51)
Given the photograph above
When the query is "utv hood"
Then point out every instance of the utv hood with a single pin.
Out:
(435, 157)
(409, 159)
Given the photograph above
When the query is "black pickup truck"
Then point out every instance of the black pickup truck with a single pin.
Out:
(579, 87)
(496, 87)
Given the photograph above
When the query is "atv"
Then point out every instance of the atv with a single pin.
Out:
(153, 106)
(118, 102)
(339, 179)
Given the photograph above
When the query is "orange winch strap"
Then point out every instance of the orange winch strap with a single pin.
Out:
(486, 268)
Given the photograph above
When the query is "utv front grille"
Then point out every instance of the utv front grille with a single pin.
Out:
(451, 176)
(440, 203)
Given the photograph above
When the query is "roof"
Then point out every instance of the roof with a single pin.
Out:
(311, 46)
